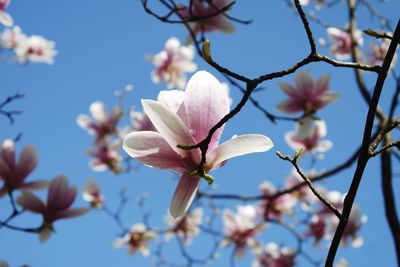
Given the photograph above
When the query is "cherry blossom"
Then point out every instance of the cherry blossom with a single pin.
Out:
(5, 18)
(275, 256)
(172, 64)
(341, 46)
(240, 229)
(186, 227)
(11, 38)
(308, 135)
(306, 95)
(103, 124)
(208, 16)
(93, 195)
(136, 240)
(36, 48)
(185, 118)
(59, 200)
(14, 173)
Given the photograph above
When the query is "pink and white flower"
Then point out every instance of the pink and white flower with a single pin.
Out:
(137, 240)
(275, 256)
(240, 229)
(185, 118)
(306, 95)
(186, 227)
(5, 18)
(378, 53)
(14, 173)
(93, 195)
(106, 157)
(308, 135)
(11, 38)
(59, 200)
(173, 63)
(208, 16)
(103, 124)
(36, 48)
(341, 46)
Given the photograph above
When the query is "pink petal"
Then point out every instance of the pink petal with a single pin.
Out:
(322, 84)
(151, 149)
(169, 125)
(240, 145)
(173, 100)
(27, 162)
(30, 202)
(183, 196)
(71, 213)
(8, 153)
(225, 25)
(304, 83)
(5, 172)
(206, 103)
(60, 196)
(34, 185)
(288, 89)
(289, 106)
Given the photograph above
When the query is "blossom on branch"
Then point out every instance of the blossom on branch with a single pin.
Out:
(341, 46)
(274, 256)
(60, 197)
(184, 118)
(172, 64)
(307, 95)
(93, 195)
(14, 173)
(240, 229)
(5, 18)
(137, 240)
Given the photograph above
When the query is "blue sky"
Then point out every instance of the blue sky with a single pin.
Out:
(101, 48)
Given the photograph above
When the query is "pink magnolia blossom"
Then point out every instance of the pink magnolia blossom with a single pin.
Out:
(11, 38)
(36, 49)
(275, 256)
(14, 173)
(306, 95)
(341, 47)
(186, 227)
(106, 157)
(240, 229)
(93, 195)
(317, 228)
(274, 209)
(208, 16)
(378, 53)
(172, 64)
(5, 18)
(185, 118)
(137, 240)
(103, 124)
(59, 200)
(308, 135)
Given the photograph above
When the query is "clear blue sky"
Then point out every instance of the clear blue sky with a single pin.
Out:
(101, 47)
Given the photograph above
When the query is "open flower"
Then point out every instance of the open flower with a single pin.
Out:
(5, 18)
(186, 227)
(306, 95)
(13, 173)
(59, 200)
(308, 135)
(341, 46)
(104, 123)
(240, 229)
(36, 48)
(208, 16)
(93, 195)
(106, 157)
(185, 118)
(173, 63)
(274, 256)
(137, 240)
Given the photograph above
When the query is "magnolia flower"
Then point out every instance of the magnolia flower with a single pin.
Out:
(185, 118)
(104, 123)
(274, 256)
(308, 135)
(106, 156)
(317, 228)
(341, 47)
(11, 38)
(378, 53)
(172, 64)
(59, 200)
(136, 240)
(36, 49)
(93, 195)
(186, 227)
(282, 205)
(13, 173)
(306, 95)
(5, 18)
(240, 228)
(208, 16)
(140, 121)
